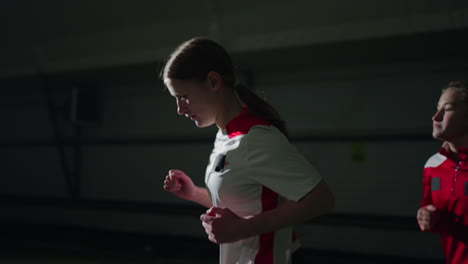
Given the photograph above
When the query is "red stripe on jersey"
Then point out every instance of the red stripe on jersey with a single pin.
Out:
(266, 243)
(241, 124)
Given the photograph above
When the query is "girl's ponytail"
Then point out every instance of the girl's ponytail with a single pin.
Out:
(261, 108)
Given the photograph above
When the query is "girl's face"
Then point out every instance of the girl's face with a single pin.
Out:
(450, 122)
(195, 99)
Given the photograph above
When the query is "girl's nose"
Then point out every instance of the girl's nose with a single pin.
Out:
(437, 116)
(181, 108)
(180, 111)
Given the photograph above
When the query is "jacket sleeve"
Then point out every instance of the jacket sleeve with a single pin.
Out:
(426, 188)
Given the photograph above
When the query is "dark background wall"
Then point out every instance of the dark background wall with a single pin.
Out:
(88, 132)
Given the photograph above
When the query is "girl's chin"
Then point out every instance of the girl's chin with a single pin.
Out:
(201, 124)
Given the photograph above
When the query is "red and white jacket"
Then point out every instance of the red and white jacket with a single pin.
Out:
(253, 168)
(445, 185)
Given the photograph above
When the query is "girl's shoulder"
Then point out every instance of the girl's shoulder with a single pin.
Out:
(267, 138)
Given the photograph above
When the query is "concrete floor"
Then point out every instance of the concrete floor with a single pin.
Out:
(21, 244)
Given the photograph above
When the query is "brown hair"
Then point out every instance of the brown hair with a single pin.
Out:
(195, 58)
(459, 85)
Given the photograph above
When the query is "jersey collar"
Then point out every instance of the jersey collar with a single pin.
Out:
(241, 124)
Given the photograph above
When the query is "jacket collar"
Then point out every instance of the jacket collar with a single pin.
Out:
(455, 155)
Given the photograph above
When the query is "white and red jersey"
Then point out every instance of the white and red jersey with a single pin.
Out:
(253, 168)
(445, 185)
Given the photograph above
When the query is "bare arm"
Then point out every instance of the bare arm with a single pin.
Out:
(317, 202)
(178, 183)
(201, 196)
(223, 226)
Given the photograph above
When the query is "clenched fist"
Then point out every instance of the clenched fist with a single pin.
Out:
(178, 183)
(428, 217)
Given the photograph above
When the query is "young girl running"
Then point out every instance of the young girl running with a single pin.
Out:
(257, 184)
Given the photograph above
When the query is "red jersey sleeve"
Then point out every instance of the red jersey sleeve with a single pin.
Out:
(426, 188)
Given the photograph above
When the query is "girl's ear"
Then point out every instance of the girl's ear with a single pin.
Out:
(215, 80)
